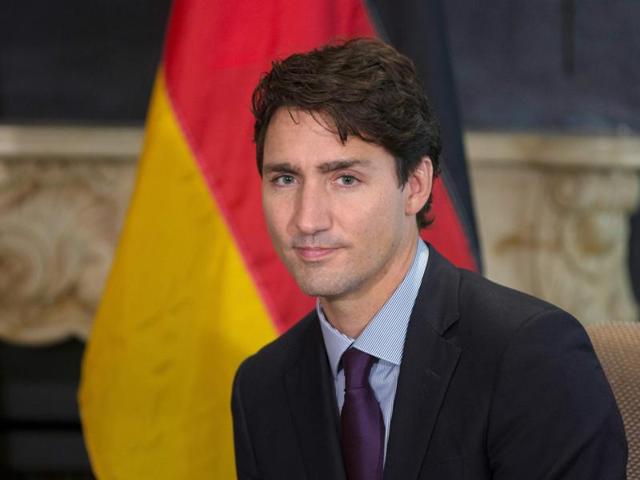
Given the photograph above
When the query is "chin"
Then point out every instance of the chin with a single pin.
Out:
(317, 291)
(316, 287)
(319, 280)
(329, 287)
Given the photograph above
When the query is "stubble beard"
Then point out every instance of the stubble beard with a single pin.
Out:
(316, 283)
(320, 280)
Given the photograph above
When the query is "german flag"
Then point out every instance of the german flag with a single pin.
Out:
(196, 286)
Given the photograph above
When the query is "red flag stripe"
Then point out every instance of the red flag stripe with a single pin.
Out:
(447, 233)
(212, 66)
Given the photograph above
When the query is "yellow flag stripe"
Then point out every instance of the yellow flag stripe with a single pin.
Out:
(169, 333)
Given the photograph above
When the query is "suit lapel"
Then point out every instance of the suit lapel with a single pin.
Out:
(314, 411)
(428, 363)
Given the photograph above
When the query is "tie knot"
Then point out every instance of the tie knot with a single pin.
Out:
(357, 365)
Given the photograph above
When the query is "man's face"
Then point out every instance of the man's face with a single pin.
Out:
(336, 214)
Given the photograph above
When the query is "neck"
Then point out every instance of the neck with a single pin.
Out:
(352, 313)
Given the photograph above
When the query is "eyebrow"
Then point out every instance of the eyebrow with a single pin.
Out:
(283, 167)
(341, 164)
(326, 167)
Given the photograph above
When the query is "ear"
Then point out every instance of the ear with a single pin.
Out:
(418, 186)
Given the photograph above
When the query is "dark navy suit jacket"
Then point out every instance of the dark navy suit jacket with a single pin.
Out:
(494, 384)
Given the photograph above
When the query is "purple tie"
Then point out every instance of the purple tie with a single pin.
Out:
(362, 423)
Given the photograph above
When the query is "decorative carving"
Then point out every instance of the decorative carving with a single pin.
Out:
(59, 223)
(564, 234)
(587, 274)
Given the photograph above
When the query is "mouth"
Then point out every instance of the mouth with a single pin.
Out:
(314, 254)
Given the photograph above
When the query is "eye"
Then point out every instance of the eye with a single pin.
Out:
(283, 180)
(347, 180)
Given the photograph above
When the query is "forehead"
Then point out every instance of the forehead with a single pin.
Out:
(295, 135)
(292, 126)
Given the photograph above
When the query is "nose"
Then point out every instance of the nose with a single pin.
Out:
(312, 212)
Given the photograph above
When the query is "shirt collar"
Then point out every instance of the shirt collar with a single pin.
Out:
(384, 336)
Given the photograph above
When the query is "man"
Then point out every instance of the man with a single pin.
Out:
(409, 368)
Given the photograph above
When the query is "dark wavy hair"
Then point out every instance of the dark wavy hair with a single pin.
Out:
(368, 89)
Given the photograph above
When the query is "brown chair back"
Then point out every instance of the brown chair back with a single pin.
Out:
(618, 348)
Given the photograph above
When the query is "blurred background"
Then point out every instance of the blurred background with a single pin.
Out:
(549, 97)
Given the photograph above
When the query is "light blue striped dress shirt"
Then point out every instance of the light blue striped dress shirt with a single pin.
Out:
(383, 338)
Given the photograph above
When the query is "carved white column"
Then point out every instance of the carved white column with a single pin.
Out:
(553, 217)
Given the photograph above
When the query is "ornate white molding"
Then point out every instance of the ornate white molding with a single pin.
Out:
(553, 216)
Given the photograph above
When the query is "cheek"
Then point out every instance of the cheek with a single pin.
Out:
(372, 218)
(385, 210)
(276, 216)
(269, 214)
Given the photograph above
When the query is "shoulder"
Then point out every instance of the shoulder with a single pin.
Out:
(495, 322)
(483, 297)
(515, 333)
(275, 358)
(503, 312)
(461, 302)
(544, 385)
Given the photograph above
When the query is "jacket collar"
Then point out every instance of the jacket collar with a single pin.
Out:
(428, 363)
(312, 402)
